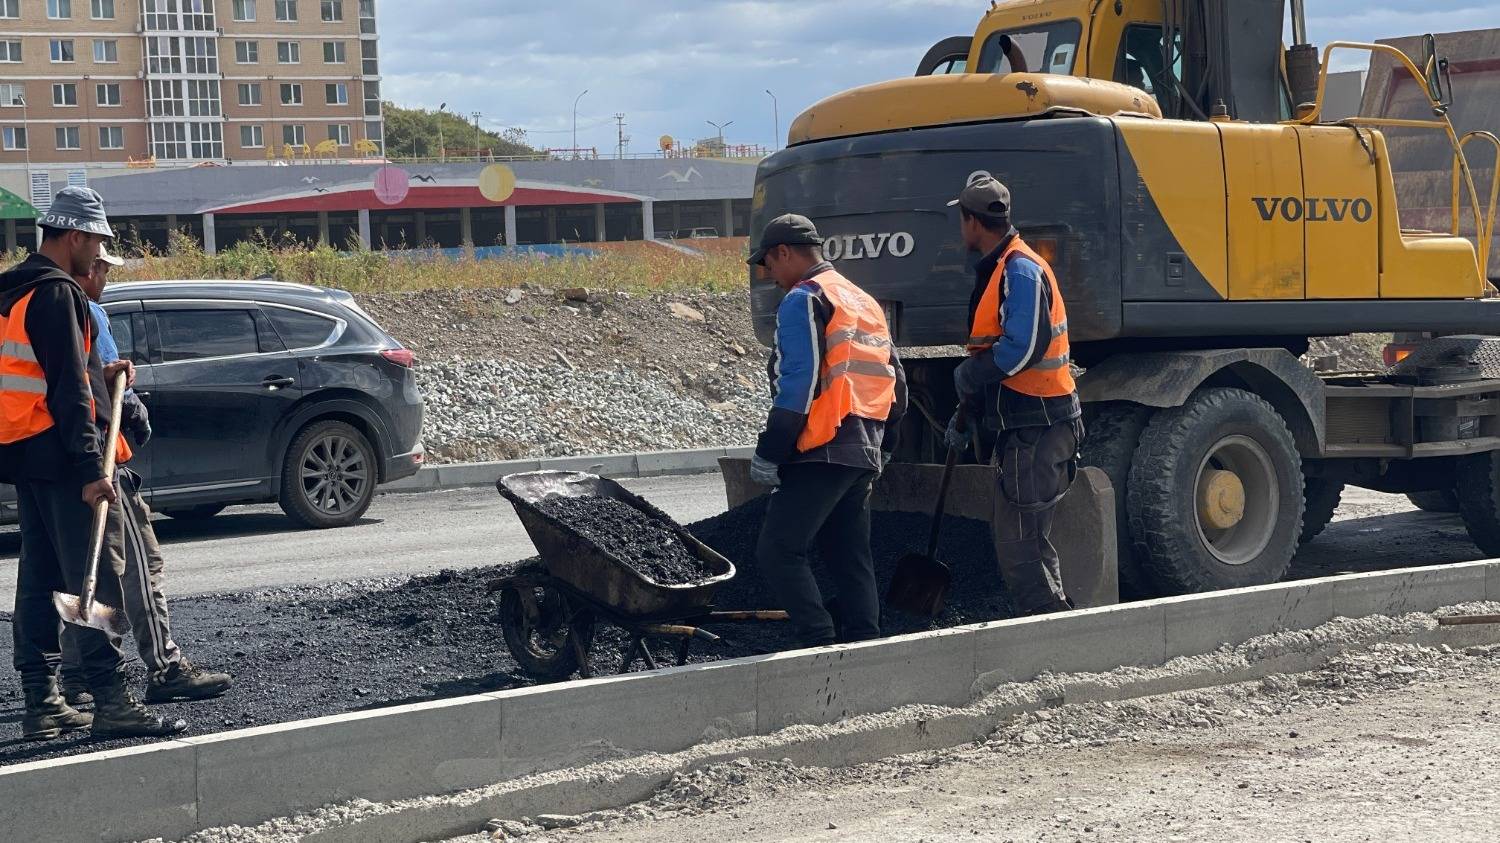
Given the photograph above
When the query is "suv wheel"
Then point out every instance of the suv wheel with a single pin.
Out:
(328, 477)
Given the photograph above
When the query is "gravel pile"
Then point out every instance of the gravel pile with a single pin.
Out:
(507, 409)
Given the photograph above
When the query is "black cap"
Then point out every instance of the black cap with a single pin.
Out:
(985, 196)
(785, 230)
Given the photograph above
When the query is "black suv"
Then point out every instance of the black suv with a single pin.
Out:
(261, 391)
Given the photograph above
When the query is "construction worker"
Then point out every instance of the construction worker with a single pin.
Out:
(50, 449)
(1018, 381)
(131, 543)
(838, 394)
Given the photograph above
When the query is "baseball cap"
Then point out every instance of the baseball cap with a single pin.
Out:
(785, 230)
(78, 209)
(984, 195)
(108, 258)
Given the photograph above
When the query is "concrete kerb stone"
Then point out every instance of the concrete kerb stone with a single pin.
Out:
(1086, 641)
(1413, 590)
(1200, 623)
(257, 774)
(123, 794)
(648, 464)
(1492, 587)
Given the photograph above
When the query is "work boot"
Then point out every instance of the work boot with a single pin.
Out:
(48, 715)
(186, 681)
(118, 715)
(76, 692)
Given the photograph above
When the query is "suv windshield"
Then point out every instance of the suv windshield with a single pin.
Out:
(1048, 48)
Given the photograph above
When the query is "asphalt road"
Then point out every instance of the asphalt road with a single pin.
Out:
(256, 546)
(252, 547)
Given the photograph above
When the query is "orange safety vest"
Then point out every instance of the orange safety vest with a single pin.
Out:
(1051, 377)
(23, 384)
(857, 377)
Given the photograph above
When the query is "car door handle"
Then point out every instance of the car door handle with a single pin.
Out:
(278, 382)
(142, 395)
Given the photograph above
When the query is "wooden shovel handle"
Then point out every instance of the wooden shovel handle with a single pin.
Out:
(961, 418)
(101, 508)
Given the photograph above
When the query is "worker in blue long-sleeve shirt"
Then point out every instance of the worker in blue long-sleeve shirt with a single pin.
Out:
(839, 393)
(1019, 381)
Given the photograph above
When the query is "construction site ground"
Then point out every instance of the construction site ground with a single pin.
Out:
(1393, 744)
(337, 643)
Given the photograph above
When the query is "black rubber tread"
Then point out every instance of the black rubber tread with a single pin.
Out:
(194, 513)
(1109, 443)
(1162, 523)
(555, 668)
(292, 497)
(1436, 500)
(1477, 483)
(1322, 499)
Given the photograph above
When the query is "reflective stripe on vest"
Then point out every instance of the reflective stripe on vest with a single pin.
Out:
(1049, 377)
(23, 384)
(857, 377)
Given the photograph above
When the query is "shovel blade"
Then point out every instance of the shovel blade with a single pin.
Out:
(920, 585)
(100, 616)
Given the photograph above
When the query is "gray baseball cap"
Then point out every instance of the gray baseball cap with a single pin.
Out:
(785, 230)
(984, 195)
(78, 209)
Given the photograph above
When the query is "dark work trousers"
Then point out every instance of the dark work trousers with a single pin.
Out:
(829, 504)
(1034, 468)
(130, 544)
(55, 527)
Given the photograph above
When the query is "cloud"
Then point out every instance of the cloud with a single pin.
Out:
(671, 65)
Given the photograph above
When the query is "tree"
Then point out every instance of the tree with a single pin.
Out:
(413, 132)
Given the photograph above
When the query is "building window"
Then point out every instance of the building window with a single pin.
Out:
(67, 138)
(291, 93)
(169, 140)
(246, 52)
(59, 9)
(244, 10)
(106, 51)
(10, 8)
(367, 8)
(198, 15)
(201, 55)
(203, 98)
(333, 52)
(65, 94)
(249, 93)
(333, 10)
(286, 10)
(371, 58)
(62, 50)
(10, 51)
(207, 139)
(294, 134)
(166, 97)
(252, 137)
(14, 137)
(103, 9)
(160, 14)
(107, 94)
(336, 93)
(12, 95)
(111, 137)
(164, 54)
(289, 52)
(339, 132)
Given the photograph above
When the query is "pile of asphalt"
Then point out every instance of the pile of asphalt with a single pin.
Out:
(318, 650)
(649, 545)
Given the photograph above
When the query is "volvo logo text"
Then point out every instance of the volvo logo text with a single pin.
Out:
(1295, 209)
(853, 247)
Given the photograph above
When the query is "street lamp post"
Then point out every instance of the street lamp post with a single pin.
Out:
(575, 122)
(442, 150)
(723, 150)
(478, 142)
(775, 115)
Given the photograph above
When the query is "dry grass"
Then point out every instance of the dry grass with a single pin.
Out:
(634, 267)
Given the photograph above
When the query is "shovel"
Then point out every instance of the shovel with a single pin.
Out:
(920, 585)
(84, 610)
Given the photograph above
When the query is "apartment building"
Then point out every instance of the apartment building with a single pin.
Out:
(163, 81)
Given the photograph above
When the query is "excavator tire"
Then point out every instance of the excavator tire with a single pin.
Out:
(1322, 495)
(1478, 487)
(1109, 443)
(1436, 500)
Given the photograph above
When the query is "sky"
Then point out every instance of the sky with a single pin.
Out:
(672, 65)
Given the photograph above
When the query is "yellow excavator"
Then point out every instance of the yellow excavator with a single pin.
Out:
(1171, 159)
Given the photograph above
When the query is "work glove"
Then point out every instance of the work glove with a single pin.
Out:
(764, 472)
(956, 437)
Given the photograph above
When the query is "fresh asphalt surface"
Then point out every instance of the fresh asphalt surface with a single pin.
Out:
(255, 546)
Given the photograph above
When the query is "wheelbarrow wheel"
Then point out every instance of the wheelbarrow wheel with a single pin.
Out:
(543, 632)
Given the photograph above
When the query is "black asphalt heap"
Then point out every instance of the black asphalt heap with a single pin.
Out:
(650, 546)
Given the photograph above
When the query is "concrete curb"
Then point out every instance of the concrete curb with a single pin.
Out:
(408, 752)
(646, 464)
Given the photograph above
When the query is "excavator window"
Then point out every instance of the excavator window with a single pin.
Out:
(1049, 48)
(1142, 62)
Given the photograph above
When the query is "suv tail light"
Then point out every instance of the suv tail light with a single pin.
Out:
(400, 356)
